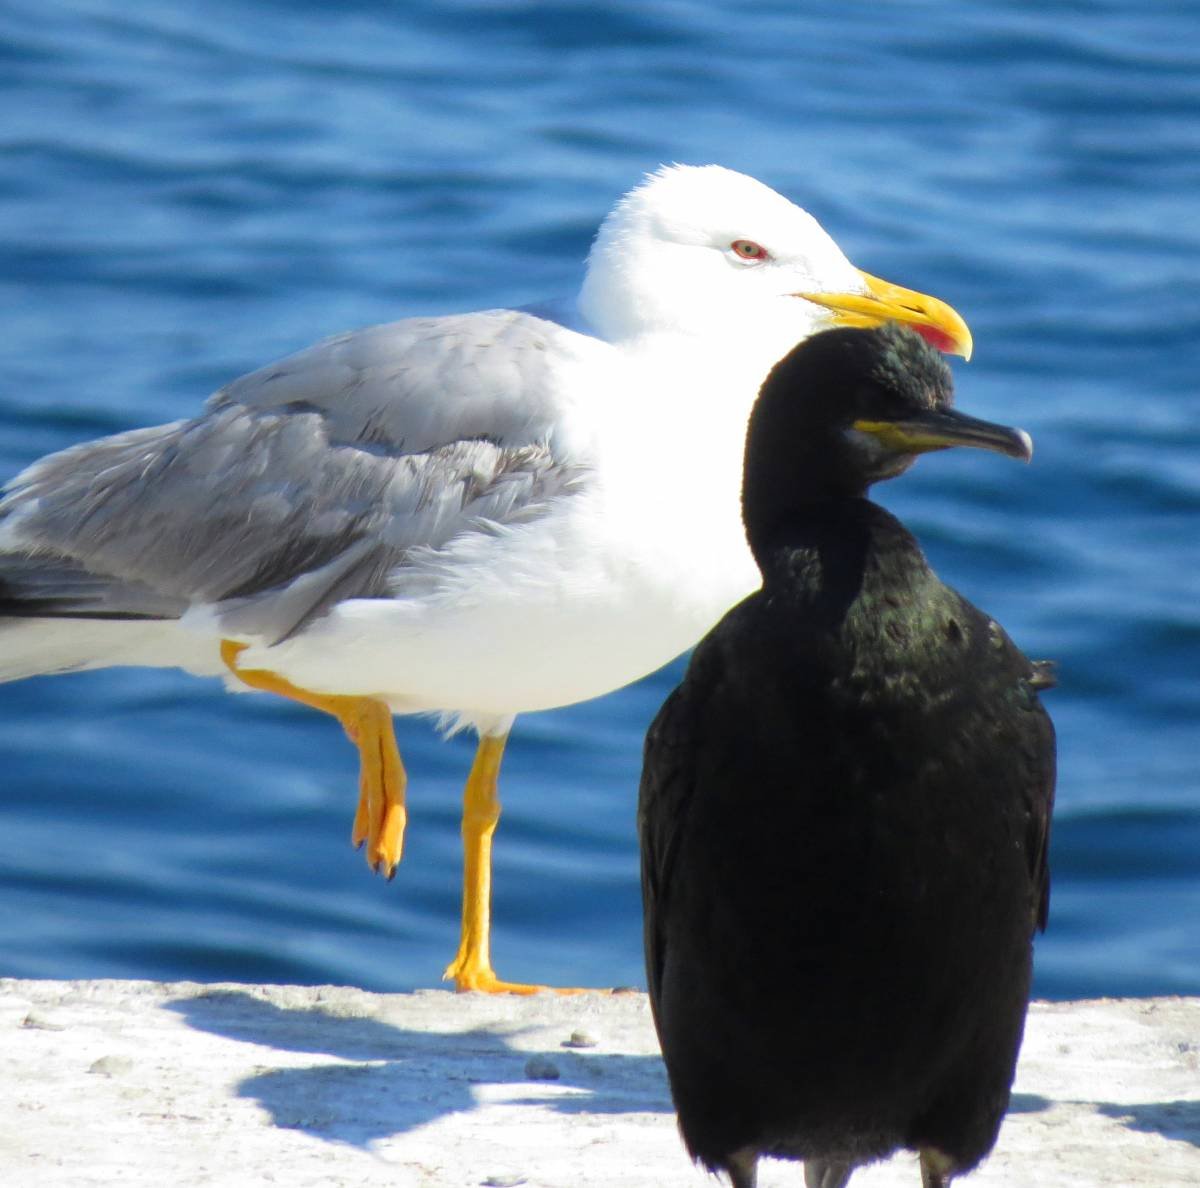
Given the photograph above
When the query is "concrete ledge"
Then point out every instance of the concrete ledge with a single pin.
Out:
(139, 1083)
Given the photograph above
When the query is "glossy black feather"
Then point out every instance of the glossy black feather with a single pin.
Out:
(844, 817)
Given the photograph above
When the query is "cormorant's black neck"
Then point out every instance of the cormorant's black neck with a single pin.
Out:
(799, 465)
(804, 503)
(830, 554)
(808, 468)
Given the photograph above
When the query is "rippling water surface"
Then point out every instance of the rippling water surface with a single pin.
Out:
(187, 191)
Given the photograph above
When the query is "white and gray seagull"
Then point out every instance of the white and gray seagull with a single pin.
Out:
(473, 515)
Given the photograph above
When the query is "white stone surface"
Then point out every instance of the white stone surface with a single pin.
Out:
(138, 1083)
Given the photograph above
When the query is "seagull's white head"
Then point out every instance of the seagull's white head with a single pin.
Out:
(703, 250)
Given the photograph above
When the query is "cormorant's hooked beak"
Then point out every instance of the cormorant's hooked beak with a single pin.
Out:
(933, 320)
(939, 429)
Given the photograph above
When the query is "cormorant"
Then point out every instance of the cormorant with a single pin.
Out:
(845, 806)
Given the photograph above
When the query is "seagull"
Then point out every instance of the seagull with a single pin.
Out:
(471, 516)
(845, 806)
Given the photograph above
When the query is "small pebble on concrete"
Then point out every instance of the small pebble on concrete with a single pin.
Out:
(581, 1039)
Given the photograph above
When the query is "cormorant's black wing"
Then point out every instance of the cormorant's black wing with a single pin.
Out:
(1028, 743)
(668, 768)
(1042, 780)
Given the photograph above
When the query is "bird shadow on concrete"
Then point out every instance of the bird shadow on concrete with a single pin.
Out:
(408, 1078)
(1178, 1120)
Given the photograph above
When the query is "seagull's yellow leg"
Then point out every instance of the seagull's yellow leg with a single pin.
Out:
(380, 817)
(471, 968)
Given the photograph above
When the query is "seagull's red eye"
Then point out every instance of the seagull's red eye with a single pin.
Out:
(747, 249)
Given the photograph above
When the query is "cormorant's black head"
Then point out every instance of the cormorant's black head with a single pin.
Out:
(847, 408)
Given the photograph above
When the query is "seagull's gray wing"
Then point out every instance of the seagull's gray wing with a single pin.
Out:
(304, 483)
(412, 386)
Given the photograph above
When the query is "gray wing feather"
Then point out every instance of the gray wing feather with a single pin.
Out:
(303, 483)
(424, 382)
(57, 587)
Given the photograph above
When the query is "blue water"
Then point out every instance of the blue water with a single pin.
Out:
(188, 191)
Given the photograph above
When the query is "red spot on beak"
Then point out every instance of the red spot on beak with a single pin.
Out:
(936, 337)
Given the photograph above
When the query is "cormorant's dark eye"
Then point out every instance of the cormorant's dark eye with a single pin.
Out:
(749, 251)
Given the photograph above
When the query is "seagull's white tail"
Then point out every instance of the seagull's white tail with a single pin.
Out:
(31, 647)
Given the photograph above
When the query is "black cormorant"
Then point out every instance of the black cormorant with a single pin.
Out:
(845, 806)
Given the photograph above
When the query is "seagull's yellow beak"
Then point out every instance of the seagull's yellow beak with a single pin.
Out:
(883, 302)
